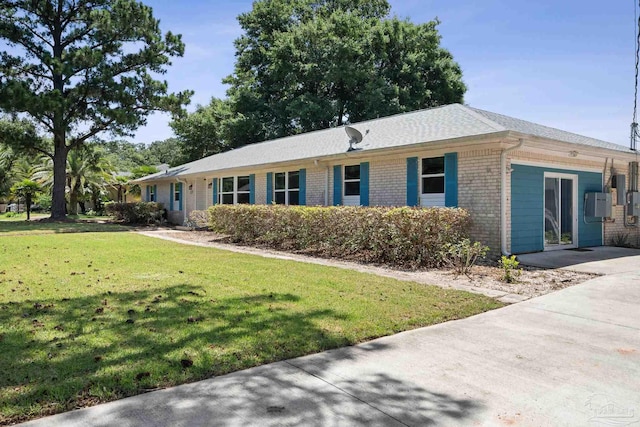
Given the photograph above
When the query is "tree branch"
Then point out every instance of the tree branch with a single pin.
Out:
(43, 151)
(36, 34)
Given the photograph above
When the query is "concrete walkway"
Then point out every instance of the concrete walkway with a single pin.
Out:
(596, 260)
(565, 359)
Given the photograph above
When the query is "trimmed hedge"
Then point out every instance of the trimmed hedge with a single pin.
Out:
(136, 213)
(407, 237)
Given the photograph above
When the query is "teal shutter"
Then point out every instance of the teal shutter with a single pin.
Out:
(179, 196)
(215, 191)
(364, 184)
(337, 185)
(412, 181)
(269, 188)
(155, 193)
(451, 180)
(148, 193)
(171, 196)
(303, 187)
(252, 189)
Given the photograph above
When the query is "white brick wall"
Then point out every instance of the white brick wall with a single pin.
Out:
(388, 182)
(163, 195)
(316, 180)
(261, 188)
(479, 193)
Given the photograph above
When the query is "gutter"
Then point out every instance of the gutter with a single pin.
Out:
(503, 196)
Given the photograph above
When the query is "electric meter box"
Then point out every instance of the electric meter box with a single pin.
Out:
(633, 207)
(597, 205)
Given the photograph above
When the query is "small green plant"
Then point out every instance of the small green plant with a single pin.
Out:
(510, 267)
(461, 256)
(621, 240)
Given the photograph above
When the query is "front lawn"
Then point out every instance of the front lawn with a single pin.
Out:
(91, 317)
(17, 225)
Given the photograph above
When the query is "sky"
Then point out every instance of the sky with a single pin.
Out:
(568, 64)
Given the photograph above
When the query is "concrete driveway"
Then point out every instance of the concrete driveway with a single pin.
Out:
(597, 260)
(571, 358)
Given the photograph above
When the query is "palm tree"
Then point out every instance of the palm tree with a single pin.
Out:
(26, 190)
(88, 174)
(15, 167)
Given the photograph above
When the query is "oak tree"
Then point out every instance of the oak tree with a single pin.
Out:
(304, 65)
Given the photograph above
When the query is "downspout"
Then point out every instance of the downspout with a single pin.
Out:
(184, 202)
(503, 196)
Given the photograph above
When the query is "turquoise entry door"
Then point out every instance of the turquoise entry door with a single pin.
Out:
(560, 208)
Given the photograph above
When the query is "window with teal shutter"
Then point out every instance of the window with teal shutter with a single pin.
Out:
(252, 189)
(171, 196)
(412, 181)
(303, 187)
(179, 186)
(269, 188)
(337, 185)
(215, 191)
(451, 180)
(286, 188)
(148, 195)
(364, 184)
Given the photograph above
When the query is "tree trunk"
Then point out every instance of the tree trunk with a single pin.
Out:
(73, 200)
(28, 202)
(58, 202)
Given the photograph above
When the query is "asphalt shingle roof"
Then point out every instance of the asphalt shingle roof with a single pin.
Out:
(523, 126)
(423, 126)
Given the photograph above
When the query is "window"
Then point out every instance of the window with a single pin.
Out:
(287, 188)
(175, 196)
(226, 191)
(176, 192)
(152, 193)
(432, 192)
(234, 190)
(243, 190)
(352, 180)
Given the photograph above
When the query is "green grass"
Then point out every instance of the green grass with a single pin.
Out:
(18, 225)
(14, 216)
(93, 317)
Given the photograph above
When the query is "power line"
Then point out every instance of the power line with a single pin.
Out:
(634, 123)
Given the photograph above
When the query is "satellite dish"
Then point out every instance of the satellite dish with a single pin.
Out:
(355, 137)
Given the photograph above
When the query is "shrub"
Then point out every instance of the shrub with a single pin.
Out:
(408, 237)
(461, 256)
(510, 268)
(198, 219)
(136, 213)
